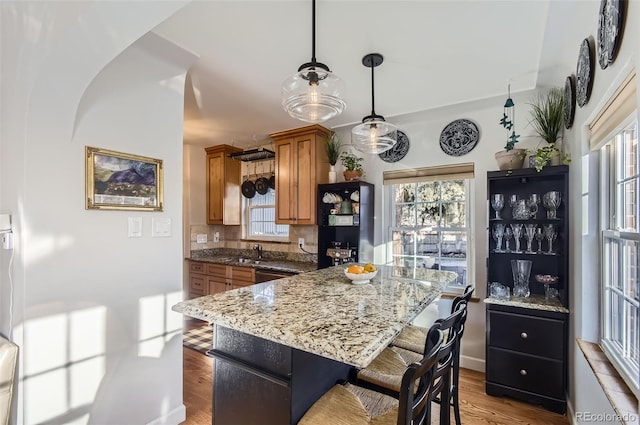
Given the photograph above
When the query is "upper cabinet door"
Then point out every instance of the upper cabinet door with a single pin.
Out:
(223, 186)
(300, 165)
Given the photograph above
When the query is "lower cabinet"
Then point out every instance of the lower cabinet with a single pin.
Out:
(208, 278)
(527, 355)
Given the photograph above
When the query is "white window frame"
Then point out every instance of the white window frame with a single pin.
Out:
(469, 202)
(246, 221)
(612, 232)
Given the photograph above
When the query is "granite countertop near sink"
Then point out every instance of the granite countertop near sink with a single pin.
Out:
(323, 313)
(275, 265)
(535, 302)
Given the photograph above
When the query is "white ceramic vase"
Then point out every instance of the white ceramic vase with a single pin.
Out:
(333, 177)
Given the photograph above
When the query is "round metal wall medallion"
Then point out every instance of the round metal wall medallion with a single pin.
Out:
(459, 137)
(584, 73)
(610, 25)
(569, 101)
(398, 151)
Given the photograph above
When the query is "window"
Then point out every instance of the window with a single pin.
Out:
(620, 229)
(429, 220)
(260, 213)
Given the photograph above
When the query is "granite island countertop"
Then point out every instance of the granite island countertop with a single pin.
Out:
(323, 313)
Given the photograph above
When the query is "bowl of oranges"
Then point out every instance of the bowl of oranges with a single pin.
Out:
(359, 274)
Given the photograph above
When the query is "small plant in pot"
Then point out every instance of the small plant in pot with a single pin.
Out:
(547, 119)
(352, 166)
(332, 148)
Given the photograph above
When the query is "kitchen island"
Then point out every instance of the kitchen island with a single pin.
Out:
(280, 345)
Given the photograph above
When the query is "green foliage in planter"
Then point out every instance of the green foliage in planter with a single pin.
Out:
(351, 162)
(544, 155)
(332, 147)
(547, 114)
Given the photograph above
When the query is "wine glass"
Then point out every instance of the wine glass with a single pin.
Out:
(551, 201)
(517, 234)
(539, 237)
(530, 231)
(550, 234)
(508, 234)
(497, 203)
(498, 233)
(513, 199)
(534, 201)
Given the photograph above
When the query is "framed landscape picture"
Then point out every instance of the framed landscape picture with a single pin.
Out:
(122, 181)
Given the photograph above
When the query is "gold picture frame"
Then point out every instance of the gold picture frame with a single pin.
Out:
(122, 181)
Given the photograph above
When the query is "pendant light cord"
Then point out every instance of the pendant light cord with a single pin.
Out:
(373, 97)
(313, 32)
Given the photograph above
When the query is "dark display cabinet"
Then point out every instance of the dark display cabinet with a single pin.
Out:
(526, 334)
(345, 221)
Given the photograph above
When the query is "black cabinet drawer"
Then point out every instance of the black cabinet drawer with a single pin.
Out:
(525, 372)
(527, 334)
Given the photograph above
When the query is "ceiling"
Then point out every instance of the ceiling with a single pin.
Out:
(436, 53)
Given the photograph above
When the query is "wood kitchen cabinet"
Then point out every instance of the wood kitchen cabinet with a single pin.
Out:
(209, 278)
(301, 164)
(223, 186)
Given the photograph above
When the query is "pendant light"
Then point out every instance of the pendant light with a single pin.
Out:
(374, 135)
(313, 94)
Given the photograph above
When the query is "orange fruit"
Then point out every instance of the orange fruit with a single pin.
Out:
(355, 269)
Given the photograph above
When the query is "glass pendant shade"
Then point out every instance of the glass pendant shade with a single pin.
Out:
(374, 136)
(313, 95)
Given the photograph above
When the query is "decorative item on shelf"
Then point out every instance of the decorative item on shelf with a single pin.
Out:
(374, 135)
(510, 158)
(398, 151)
(610, 25)
(547, 118)
(313, 94)
(459, 137)
(333, 146)
(584, 73)
(352, 166)
(497, 203)
(547, 280)
(569, 101)
(521, 270)
(551, 201)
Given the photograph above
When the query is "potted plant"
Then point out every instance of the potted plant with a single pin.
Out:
(352, 166)
(332, 147)
(547, 119)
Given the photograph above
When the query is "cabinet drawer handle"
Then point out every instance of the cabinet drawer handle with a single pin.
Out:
(524, 335)
(523, 372)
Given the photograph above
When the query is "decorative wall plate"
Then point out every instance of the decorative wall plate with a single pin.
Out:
(610, 25)
(398, 151)
(569, 101)
(584, 73)
(459, 137)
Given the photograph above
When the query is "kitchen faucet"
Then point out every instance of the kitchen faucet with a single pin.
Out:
(258, 248)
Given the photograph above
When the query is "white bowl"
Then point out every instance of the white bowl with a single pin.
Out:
(360, 278)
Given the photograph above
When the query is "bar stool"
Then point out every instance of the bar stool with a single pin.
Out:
(412, 339)
(349, 404)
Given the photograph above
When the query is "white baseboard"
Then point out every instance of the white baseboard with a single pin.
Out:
(472, 363)
(174, 417)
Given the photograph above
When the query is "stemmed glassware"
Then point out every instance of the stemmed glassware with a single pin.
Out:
(530, 231)
(497, 203)
(534, 201)
(498, 233)
(517, 234)
(550, 234)
(508, 233)
(513, 199)
(539, 237)
(551, 201)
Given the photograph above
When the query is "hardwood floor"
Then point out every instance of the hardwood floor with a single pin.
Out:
(476, 408)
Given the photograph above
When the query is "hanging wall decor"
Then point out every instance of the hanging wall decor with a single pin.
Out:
(610, 25)
(459, 137)
(584, 73)
(398, 151)
(569, 101)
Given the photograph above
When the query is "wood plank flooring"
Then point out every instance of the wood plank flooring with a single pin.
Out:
(476, 408)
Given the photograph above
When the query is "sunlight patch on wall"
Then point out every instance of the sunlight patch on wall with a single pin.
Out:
(157, 323)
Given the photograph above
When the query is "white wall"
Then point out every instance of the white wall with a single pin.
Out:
(91, 307)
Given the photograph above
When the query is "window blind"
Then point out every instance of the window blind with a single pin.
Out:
(615, 111)
(440, 172)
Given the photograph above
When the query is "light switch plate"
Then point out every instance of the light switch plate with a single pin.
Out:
(201, 238)
(216, 237)
(160, 227)
(134, 227)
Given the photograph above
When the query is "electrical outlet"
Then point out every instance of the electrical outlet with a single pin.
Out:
(301, 242)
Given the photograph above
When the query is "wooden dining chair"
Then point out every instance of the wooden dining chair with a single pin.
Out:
(412, 338)
(349, 404)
